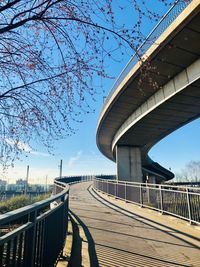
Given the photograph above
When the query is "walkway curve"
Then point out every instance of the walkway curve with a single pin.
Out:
(114, 239)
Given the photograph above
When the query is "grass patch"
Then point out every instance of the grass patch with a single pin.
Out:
(19, 202)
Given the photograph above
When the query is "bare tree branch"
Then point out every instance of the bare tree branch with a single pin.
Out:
(51, 52)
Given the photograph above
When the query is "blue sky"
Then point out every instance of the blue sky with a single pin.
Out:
(79, 152)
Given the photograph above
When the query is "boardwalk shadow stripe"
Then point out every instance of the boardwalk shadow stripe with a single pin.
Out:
(76, 261)
(171, 231)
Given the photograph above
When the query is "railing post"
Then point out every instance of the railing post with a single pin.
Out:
(29, 252)
(189, 206)
(148, 195)
(125, 184)
(107, 187)
(117, 189)
(141, 196)
(65, 200)
(161, 198)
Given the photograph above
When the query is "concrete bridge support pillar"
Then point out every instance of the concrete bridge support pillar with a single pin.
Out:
(151, 180)
(129, 166)
(151, 193)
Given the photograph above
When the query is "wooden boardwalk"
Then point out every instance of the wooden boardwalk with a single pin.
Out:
(105, 237)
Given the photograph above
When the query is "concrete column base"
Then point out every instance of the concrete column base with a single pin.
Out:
(151, 193)
(129, 166)
(151, 180)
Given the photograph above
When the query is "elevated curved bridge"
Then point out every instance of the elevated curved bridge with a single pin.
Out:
(154, 96)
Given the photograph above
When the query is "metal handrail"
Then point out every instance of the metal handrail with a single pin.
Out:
(162, 25)
(15, 214)
(27, 233)
(35, 234)
(175, 187)
(182, 202)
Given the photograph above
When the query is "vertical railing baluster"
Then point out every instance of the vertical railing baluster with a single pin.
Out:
(14, 252)
(42, 243)
(141, 196)
(117, 188)
(161, 198)
(125, 184)
(189, 205)
(8, 253)
(20, 250)
(37, 244)
(1, 254)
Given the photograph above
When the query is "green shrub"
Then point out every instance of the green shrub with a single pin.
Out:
(40, 197)
(14, 203)
(19, 202)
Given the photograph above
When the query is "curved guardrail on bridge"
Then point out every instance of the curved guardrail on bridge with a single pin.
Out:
(34, 235)
(179, 201)
(163, 24)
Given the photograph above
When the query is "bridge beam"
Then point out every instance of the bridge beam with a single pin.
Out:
(129, 166)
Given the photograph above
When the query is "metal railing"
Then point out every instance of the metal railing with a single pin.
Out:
(163, 24)
(34, 235)
(73, 179)
(179, 201)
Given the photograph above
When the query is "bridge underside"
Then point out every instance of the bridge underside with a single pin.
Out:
(179, 50)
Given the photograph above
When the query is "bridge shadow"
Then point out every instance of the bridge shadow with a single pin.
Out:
(110, 256)
(76, 255)
(118, 223)
(139, 237)
(110, 244)
(168, 230)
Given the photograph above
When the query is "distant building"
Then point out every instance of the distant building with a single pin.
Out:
(21, 185)
(3, 184)
(11, 187)
(37, 188)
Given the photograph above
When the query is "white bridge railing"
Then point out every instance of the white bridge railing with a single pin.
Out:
(180, 201)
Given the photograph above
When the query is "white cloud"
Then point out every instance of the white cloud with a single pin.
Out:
(20, 145)
(26, 148)
(75, 158)
(37, 153)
